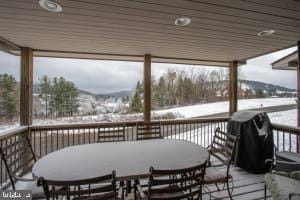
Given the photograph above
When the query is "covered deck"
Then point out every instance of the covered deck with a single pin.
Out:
(221, 33)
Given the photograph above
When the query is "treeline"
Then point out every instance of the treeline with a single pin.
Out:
(181, 88)
(59, 96)
(9, 97)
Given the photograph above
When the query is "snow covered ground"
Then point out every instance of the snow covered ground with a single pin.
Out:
(288, 117)
(221, 107)
(182, 112)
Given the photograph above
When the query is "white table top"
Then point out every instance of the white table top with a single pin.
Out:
(130, 159)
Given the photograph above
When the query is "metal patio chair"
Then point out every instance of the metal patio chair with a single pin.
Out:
(111, 134)
(148, 131)
(222, 148)
(283, 180)
(98, 188)
(18, 158)
(173, 184)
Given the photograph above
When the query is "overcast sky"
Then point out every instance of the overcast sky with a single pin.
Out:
(111, 76)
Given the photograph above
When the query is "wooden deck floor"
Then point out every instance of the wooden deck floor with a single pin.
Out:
(246, 187)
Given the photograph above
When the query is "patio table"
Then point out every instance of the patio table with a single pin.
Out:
(130, 159)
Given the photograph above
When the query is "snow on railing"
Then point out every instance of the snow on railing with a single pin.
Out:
(286, 138)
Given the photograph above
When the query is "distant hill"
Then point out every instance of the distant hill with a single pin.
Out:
(257, 85)
(123, 93)
(245, 84)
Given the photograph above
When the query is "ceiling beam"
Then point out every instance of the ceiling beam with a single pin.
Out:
(6, 45)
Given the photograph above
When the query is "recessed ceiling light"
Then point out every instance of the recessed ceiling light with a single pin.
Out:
(266, 33)
(182, 21)
(50, 5)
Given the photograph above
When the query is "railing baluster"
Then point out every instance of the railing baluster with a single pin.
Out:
(63, 138)
(290, 142)
(210, 132)
(191, 132)
(73, 135)
(277, 135)
(283, 138)
(78, 136)
(40, 143)
(46, 139)
(57, 146)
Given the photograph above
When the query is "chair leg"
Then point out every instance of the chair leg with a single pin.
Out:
(265, 192)
(228, 189)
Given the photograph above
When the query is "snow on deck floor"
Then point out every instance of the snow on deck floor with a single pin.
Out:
(221, 107)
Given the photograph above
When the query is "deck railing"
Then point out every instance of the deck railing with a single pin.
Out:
(49, 138)
(46, 139)
(285, 137)
(7, 138)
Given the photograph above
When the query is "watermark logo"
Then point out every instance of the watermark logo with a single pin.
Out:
(15, 194)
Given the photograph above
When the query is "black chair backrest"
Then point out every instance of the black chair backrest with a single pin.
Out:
(111, 134)
(176, 184)
(284, 161)
(18, 157)
(100, 188)
(148, 131)
(223, 146)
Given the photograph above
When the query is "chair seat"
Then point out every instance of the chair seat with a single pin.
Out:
(165, 195)
(215, 175)
(96, 197)
(280, 186)
(37, 192)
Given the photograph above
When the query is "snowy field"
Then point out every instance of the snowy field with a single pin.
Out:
(222, 107)
(288, 117)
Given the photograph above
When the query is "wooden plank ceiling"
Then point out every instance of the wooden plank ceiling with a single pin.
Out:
(220, 30)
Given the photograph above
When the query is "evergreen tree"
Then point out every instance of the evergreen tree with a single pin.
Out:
(136, 102)
(62, 97)
(73, 102)
(53, 102)
(45, 91)
(8, 96)
(162, 92)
